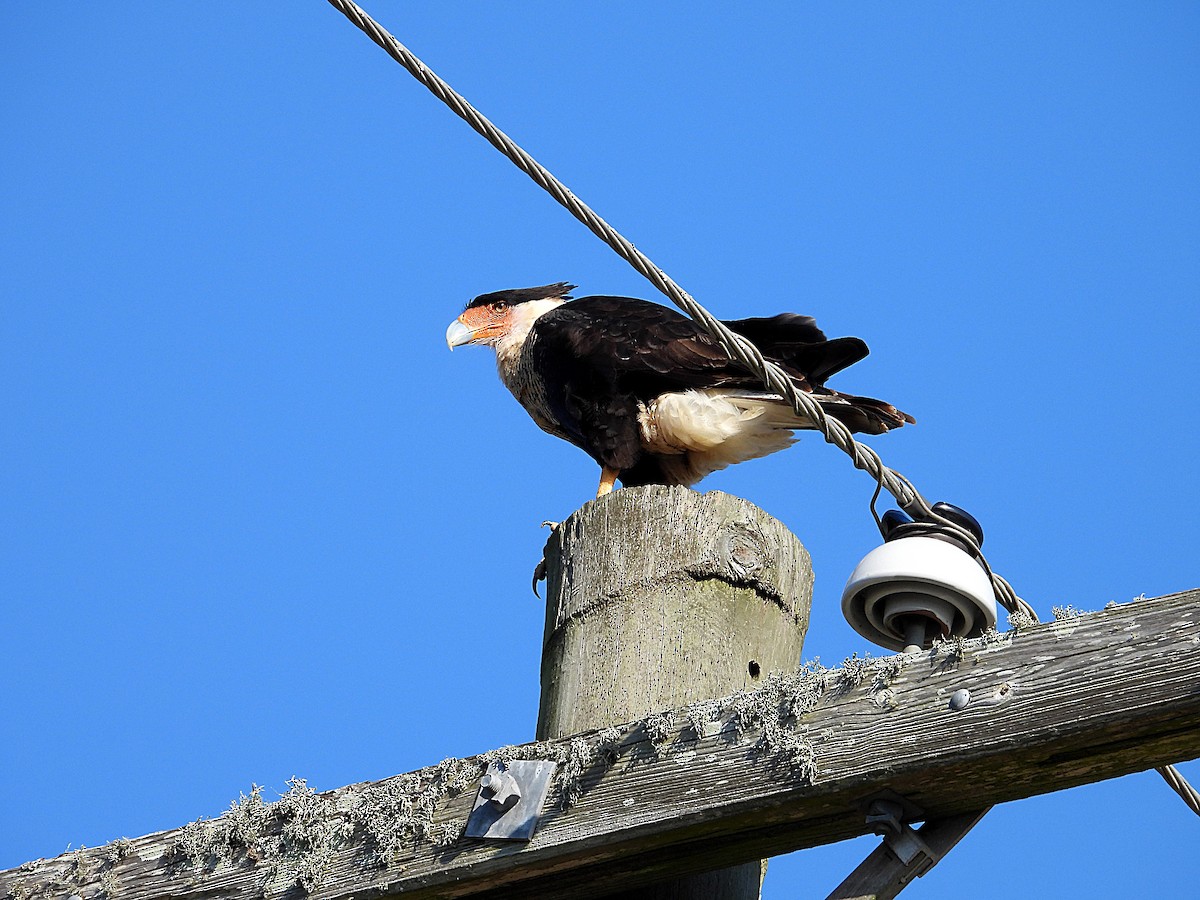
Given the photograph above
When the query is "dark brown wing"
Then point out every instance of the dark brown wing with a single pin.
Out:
(599, 356)
(797, 344)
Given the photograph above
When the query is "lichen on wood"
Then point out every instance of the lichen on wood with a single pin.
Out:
(291, 841)
(1130, 669)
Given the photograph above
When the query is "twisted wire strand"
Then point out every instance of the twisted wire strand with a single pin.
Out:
(738, 348)
(1179, 785)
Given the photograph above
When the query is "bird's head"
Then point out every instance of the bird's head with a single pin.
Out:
(491, 318)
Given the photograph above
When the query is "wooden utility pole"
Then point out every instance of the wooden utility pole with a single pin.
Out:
(658, 597)
(1051, 706)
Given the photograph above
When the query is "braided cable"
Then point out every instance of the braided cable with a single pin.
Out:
(1179, 785)
(738, 348)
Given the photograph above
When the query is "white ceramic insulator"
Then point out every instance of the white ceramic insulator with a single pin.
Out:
(918, 576)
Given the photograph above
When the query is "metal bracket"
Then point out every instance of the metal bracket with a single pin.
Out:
(888, 815)
(510, 799)
(883, 875)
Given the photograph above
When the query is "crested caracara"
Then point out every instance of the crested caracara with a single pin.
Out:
(646, 392)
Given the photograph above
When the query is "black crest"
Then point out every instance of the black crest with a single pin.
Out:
(524, 295)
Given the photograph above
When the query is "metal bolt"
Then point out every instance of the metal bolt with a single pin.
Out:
(503, 788)
(885, 817)
(959, 699)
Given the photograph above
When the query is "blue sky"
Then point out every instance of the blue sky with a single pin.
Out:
(256, 519)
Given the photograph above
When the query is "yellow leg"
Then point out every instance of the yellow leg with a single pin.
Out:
(608, 477)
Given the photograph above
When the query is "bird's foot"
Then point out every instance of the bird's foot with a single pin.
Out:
(608, 479)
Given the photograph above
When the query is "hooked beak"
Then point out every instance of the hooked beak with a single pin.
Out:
(458, 334)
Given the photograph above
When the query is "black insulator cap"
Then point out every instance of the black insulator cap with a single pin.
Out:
(961, 518)
(891, 520)
(896, 525)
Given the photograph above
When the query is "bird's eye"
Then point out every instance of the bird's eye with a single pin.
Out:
(499, 306)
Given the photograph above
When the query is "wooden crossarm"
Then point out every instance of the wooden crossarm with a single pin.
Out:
(1052, 706)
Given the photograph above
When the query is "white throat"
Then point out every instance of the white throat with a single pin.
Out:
(522, 316)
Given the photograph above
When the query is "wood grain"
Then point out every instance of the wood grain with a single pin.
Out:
(658, 597)
(1053, 706)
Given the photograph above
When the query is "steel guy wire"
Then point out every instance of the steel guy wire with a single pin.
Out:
(907, 496)
(1180, 786)
(738, 347)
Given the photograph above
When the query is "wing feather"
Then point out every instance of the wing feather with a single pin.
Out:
(600, 357)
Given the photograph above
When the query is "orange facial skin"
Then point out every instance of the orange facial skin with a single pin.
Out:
(483, 325)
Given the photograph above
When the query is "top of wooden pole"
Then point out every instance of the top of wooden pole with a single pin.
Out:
(660, 596)
(639, 536)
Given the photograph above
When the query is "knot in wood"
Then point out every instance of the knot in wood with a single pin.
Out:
(744, 553)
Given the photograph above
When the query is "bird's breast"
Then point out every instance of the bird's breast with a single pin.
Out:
(526, 384)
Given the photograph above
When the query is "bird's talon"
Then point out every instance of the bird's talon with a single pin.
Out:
(539, 574)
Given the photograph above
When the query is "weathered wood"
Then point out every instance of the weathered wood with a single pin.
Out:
(1053, 706)
(657, 597)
